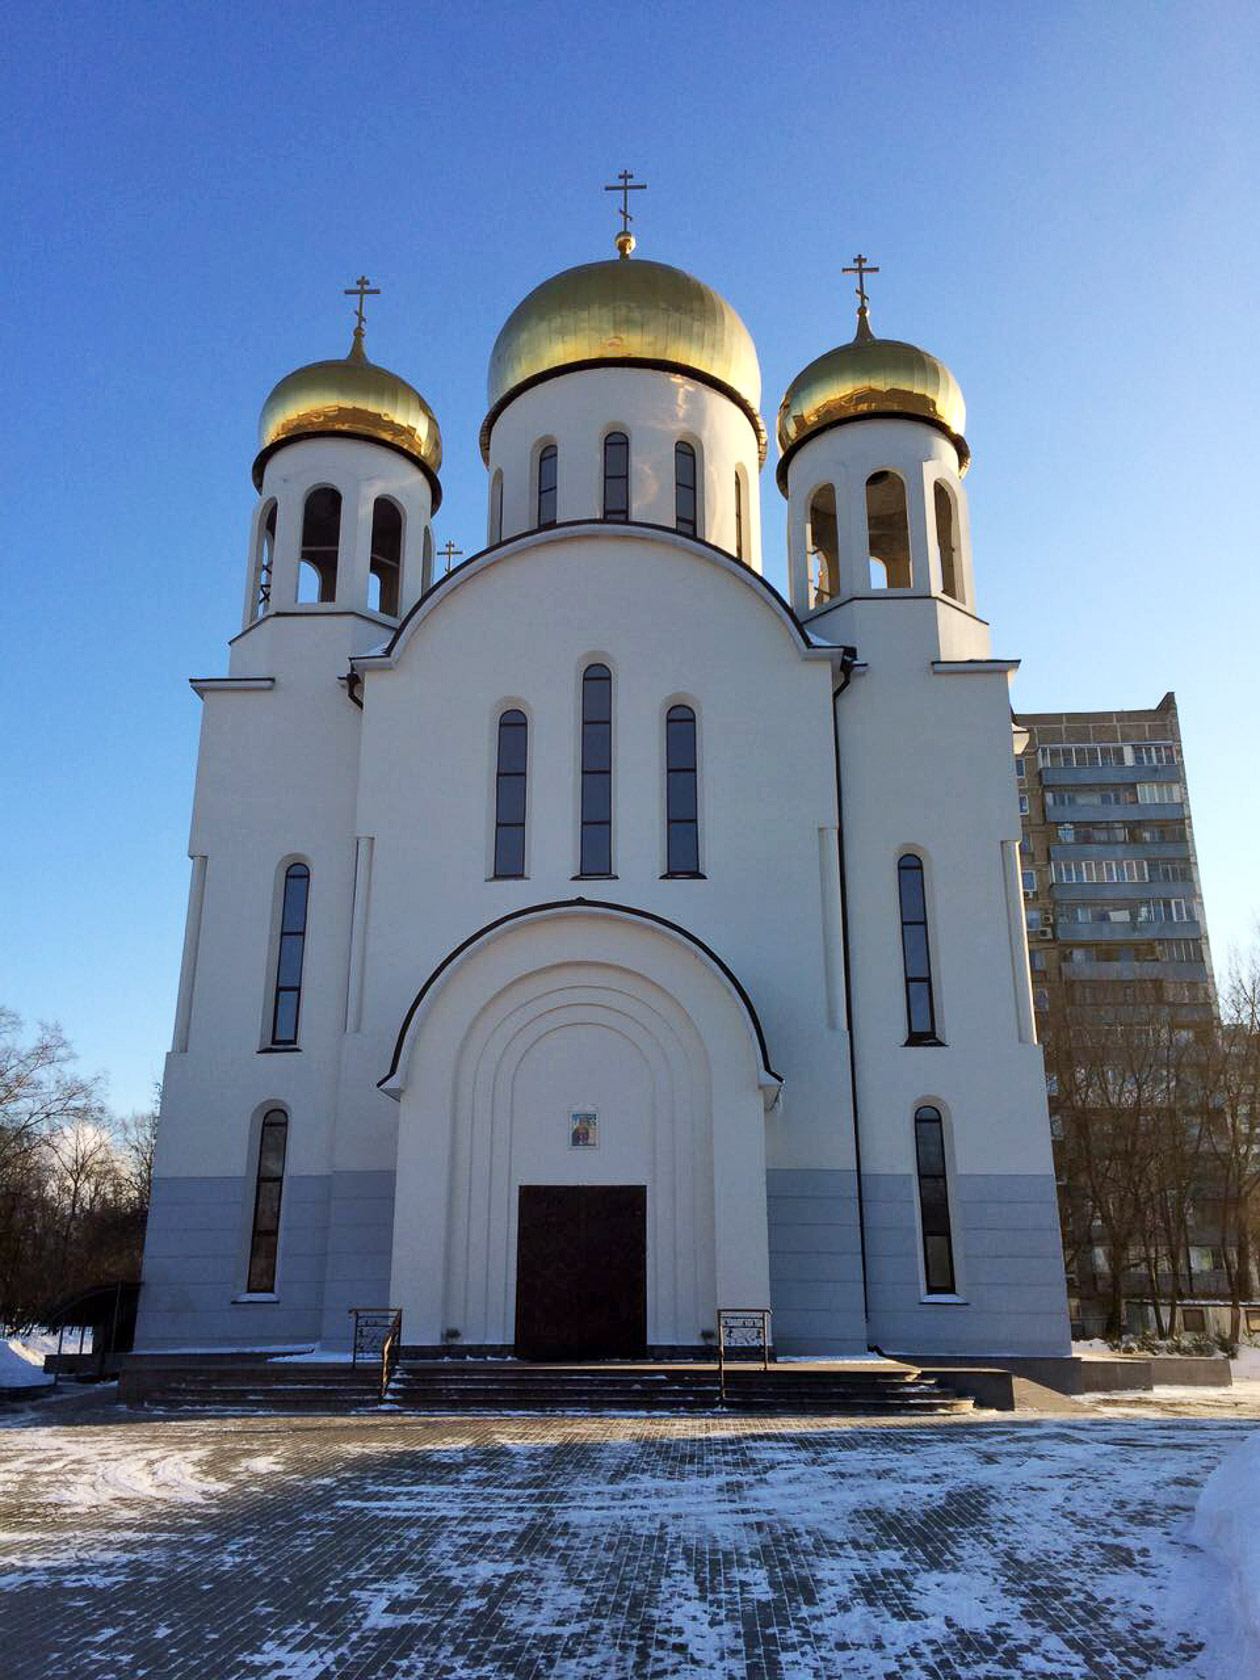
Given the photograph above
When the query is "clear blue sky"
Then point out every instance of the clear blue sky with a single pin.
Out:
(1063, 201)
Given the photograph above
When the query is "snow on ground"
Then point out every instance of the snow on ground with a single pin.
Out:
(20, 1366)
(1226, 1526)
(90, 1470)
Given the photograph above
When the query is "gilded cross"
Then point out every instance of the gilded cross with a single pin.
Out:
(862, 269)
(449, 552)
(362, 288)
(625, 185)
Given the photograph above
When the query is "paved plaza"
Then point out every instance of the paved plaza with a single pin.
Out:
(290, 1548)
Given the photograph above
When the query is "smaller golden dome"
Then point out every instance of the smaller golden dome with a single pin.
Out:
(351, 398)
(863, 380)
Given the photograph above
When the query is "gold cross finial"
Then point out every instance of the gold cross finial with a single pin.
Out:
(361, 289)
(625, 185)
(449, 552)
(862, 268)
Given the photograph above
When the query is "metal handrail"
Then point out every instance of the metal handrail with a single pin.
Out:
(746, 1329)
(389, 1353)
(369, 1323)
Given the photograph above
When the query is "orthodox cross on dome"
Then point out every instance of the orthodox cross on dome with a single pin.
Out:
(362, 288)
(449, 552)
(862, 268)
(625, 185)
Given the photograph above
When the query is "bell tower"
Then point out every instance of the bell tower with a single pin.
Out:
(872, 463)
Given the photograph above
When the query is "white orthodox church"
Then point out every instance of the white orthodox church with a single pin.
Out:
(590, 938)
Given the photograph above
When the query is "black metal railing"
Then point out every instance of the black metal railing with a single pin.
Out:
(377, 1335)
(743, 1335)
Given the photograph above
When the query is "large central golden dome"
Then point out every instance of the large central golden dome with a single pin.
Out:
(609, 313)
(864, 379)
(351, 397)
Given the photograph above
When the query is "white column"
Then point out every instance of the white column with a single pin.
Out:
(1020, 976)
(356, 967)
(188, 963)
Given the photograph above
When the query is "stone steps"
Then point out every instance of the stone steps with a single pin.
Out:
(444, 1387)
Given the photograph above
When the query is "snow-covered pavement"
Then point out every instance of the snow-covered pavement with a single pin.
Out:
(299, 1548)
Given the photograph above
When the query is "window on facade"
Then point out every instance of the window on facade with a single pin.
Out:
(595, 850)
(266, 1227)
(681, 813)
(938, 1247)
(685, 505)
(887, 531)
(426, 559)
(385, 565)
(548, 464)
(509, 796)
(321, 537)
(264, 561)
(1019, 769)
(1194, 1320)
(946, 541)
(822, 551)
(288, 998)
(617, 476)
(1028, 877)
(496, 507)
(916, 957)
(1023, 804)
(739, 516)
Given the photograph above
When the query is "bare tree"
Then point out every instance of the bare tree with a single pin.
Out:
(38, 1090)
(1233, 1125)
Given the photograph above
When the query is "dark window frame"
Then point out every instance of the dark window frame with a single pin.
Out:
(686, 495)
(511, 794)
(682, 795)
(935, 1223)
(260, 1279)
(385, 564)
(291, 938)
(916, 964)
(595, 823)
(323, 558)
(616, 506)
(547, 500)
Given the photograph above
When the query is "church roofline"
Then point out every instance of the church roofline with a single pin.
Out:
(769, 1081)
(566, 531)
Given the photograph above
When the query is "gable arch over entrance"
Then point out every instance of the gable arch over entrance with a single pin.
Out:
(578, 1008)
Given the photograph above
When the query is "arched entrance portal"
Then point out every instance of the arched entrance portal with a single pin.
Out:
(581, 1152)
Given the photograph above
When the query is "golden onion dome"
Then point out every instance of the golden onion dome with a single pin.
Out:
(606, 314)
(868, 378)
(351, 397)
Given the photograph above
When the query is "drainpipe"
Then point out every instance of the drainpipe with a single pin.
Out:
(848, 658)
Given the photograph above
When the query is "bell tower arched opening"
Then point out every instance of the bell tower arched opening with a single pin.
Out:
(888, 531)
(321, 541)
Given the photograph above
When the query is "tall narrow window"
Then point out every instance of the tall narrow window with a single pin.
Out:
(596, 839)
(284, 1015)
(509, 797)
(617, 476)
(945, 542)
(385, 564)
(920, 1007)
(496, 507)
(681, 814)
(739, 516)
(822, 547)
(548, 461)
(887, 531)
(266, 1228)
(265, 561)
(685, 488)
(938, 1247)
(321, 538)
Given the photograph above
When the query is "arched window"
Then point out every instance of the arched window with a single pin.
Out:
(548, 462)
(288, 998)
(496, 506)
(682, 819)
(822, 547)
(272, 1140)
(685, 504)
(385, 565)
(946, 541)
(887, 531)
(595, 851)
(264, 561)
(509, 796)
(739, 516)
(938, 1246)
(617, 476)
(426, 560)
(321, 537)
(916, 956)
